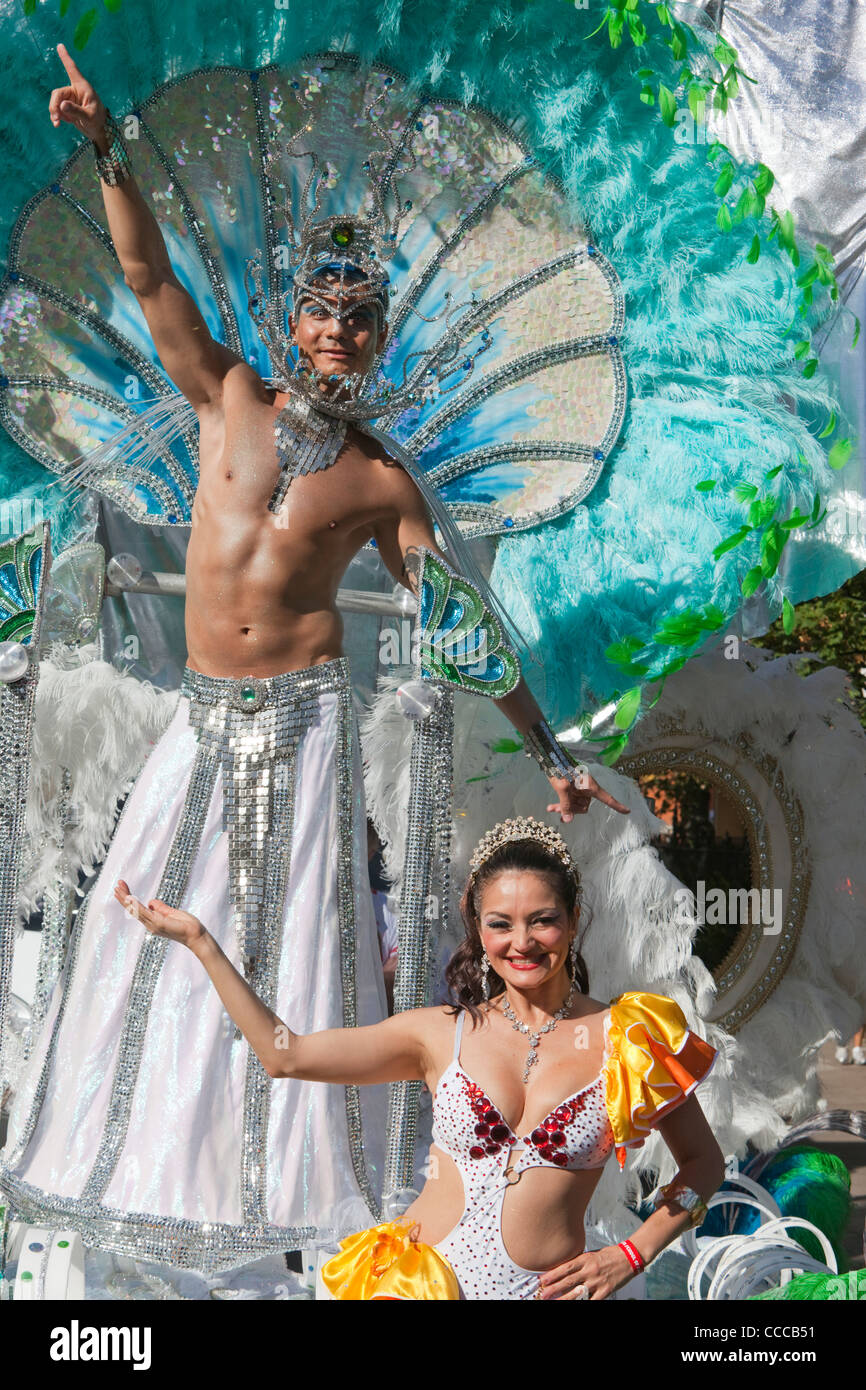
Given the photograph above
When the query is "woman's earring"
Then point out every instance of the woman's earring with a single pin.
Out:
(574, 955)
(485, 969)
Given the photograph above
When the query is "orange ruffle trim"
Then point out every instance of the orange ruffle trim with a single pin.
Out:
(653, 1063)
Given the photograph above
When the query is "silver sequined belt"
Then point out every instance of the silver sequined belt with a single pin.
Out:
(252, 693)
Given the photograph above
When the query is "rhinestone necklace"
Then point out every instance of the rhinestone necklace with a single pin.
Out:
(535, 1038)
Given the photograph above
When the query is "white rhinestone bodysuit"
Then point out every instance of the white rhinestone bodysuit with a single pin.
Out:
(468, 1127)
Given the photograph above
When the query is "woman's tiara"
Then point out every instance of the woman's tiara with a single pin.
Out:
(520, 828)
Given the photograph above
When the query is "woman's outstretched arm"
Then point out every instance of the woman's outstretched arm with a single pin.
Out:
(389, 1051)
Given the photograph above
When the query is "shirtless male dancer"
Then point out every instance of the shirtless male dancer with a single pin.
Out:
(144, 1120)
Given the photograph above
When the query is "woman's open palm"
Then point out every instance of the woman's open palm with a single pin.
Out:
(159, 918)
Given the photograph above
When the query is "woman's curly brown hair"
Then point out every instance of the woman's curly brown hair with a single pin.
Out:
(463, 972)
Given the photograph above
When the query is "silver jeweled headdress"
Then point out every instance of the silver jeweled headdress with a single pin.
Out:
(339, 262)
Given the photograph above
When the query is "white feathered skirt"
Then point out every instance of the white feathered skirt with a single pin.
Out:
(142, 1119)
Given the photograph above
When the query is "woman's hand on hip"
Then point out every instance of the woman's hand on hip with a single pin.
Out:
(595, 1275)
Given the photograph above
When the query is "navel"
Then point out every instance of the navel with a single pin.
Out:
(230, 474)
(331, 525)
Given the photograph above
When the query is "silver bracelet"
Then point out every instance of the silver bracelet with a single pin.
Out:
(677, 1194)
(114, 167)
(554, 760)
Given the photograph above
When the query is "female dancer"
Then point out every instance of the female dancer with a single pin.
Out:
(520, 1138)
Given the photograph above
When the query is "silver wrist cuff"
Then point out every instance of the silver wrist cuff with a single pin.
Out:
(685, 1198)
(115, 167)
(554, 760)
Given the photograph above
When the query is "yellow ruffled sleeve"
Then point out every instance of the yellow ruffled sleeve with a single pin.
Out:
(385, 1263)
(653, 1062)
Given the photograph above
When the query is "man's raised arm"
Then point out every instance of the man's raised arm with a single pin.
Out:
(196, 363)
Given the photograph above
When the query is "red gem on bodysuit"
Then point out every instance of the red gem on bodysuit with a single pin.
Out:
(557, 1138)
(561, 1160)
(492, 1148)
(546, 1151)
(482, 1130)
(563, 1114)
(551, 1124)
(538, 1136)
(492, 1117)
(499, 1133)
(476, 1151)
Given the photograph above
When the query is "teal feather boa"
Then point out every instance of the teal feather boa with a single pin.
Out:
(708, 343)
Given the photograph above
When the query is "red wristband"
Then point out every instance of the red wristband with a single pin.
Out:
(635, 1258)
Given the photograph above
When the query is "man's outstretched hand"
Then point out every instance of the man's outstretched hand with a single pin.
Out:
(576, 800)
(78, 103)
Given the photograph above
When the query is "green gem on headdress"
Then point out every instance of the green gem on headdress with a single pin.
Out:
(343, 234)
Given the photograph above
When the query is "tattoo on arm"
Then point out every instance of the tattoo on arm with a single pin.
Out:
(411, 567)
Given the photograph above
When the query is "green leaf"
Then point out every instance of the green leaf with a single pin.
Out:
(723, 183)
(816, 507)
(712, 618)
(856, 332)
(771, 472)
(679, 629)
(647, 96)
(614, 29)
(645, 73)
(754, 250)
(789, 617)
(29, 6)
(801, 349)
(723, 218)
(795, 520)
(840, 453)
(786, 231)
(637, 30)
(811, 367)
(698, 102)
(678, 43)
(744, 492)
(809, 276)
(624, 649)
(663, 14)
(772, 545)
(735, 539)
(64, 6)
(764, 180)
(507, 745)
(612, 750)
(829, 427)
(112, 5)
(723, 52)
(670, 666)
(667, 105)
(748, 205)
(84, 28)
(706, 485)
(751, 580)
(627, 708)
(761, 510)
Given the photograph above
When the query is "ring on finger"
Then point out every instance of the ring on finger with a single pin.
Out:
(581, 1292)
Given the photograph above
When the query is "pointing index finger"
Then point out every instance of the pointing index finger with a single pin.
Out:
(69, 63)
